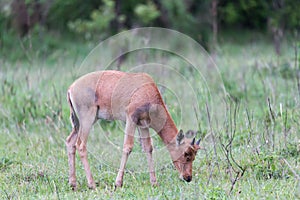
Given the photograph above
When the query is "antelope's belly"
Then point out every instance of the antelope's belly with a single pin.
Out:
(110, 115)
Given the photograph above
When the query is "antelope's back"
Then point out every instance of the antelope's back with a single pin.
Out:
(115, 93)
(116, 90)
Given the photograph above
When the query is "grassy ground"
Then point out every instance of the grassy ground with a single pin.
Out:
(252, 152)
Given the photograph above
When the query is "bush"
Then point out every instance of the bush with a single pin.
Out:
(98, 23)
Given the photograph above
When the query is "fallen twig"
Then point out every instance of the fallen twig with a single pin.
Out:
(292, 170)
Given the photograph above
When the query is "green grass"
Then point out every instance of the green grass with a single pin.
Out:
(34, 122)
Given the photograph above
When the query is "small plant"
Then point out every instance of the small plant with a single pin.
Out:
(5, 163)
(217, 194)
(233, 89)
(291, 150)
(268, 167)
(287, 71)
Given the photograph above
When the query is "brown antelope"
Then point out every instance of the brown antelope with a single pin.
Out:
(133, 98)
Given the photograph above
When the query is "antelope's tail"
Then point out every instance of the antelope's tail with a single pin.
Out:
(73, 117)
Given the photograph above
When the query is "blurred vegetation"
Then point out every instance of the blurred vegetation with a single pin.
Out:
(96, 20)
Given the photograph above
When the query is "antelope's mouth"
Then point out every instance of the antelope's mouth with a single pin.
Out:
(185, 178)
(188, 178)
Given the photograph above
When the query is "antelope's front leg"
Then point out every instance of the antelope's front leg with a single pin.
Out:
(148, 148)
(127, 148)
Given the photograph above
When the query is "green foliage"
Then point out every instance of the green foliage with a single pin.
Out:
(287, 71)
(191, 17)
(22, 105)
(216, 194)
(39, 43)
(291, 150)
(230, 13)
(269, 167)
(146, 12)
(3, 22)
(251, 14)
(233, 89)
(99, 21)
(260, 14)
(4, 163)
(195, 23)
(285, 14)
(64, 11)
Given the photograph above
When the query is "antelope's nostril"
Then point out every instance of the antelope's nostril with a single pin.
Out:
(188, 178)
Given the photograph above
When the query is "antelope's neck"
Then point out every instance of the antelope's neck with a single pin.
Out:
(168, 134)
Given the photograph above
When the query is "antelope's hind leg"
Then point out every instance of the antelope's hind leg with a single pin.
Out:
(86, 122)
(71, 149)
(148, 148)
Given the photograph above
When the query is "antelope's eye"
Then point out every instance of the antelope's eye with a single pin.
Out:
(187, 154)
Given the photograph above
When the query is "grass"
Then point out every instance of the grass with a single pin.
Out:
(258, 132)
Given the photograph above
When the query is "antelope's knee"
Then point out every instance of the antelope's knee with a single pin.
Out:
(147, 145)
(148, 149)
(127, 150)
(82, 151)
(71, 148)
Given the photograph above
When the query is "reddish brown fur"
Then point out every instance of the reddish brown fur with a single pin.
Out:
(130, 97)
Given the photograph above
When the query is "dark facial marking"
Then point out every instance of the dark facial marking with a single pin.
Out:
(190, 154)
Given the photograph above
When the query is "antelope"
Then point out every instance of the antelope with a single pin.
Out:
(135, 99)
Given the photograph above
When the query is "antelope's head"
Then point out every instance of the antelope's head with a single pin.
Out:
(188, 151)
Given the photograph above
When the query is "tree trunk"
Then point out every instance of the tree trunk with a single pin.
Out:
(23, 19)
(163, 19)
(115, 24)
(214, 13)
(277, 24)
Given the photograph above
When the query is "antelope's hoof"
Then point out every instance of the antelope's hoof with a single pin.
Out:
(118, 184)
(73, 186)
(92, 186)
(154, 184)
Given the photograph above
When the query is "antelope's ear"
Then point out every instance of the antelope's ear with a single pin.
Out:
(197, 147)
(180, 138)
